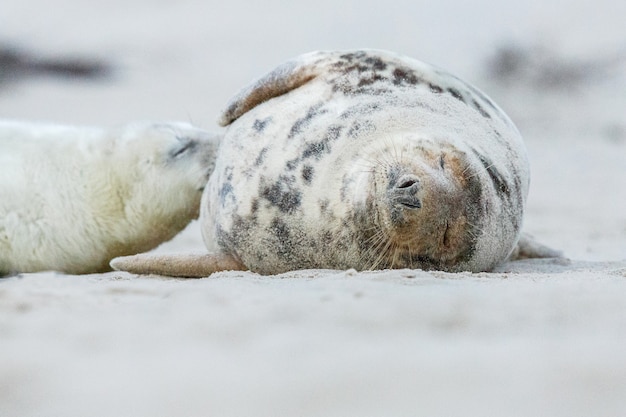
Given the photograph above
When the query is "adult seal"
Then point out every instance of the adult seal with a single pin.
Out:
(72, 198)
(360, 159)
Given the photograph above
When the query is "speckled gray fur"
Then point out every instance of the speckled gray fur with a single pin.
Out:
(298, 177)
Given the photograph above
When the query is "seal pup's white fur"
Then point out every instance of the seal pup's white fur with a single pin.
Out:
(72, 198)
(361, 159)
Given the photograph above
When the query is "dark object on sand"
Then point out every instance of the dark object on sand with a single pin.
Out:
(16, 63)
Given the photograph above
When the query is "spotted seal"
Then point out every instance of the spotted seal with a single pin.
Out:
(360, 159)
(72, 198)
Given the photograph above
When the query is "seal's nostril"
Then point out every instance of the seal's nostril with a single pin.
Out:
(405, 192)
(407, 181)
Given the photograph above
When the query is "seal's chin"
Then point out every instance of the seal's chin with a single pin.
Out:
(423, 213)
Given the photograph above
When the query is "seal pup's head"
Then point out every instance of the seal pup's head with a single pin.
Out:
(94, 193)
(169, 161)
(157, 173)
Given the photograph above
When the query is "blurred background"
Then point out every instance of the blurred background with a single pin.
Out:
(557, 68)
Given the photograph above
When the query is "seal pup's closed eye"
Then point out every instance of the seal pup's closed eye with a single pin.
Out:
(361, 159)
(72, 198)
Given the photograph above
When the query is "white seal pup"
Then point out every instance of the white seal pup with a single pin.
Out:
(360, 159)
(73, 198)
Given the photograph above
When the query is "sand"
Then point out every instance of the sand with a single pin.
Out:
(540, 338)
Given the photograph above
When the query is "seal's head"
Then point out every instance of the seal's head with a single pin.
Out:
(427, 204)
(407, 166)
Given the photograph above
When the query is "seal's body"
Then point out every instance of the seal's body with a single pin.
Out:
(72, 198)
(364, 160)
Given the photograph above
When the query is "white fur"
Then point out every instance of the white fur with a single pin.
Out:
(72, 198)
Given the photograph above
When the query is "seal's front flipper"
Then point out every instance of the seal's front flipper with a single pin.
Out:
(528, 247)
(283, 79)
(178, 265)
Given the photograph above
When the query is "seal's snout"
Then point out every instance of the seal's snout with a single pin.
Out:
(405, 192)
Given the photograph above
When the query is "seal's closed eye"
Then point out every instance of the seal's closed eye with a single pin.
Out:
(183, 146)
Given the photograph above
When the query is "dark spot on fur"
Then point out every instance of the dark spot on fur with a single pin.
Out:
(255, 206)
(376, 63)
(317, 149)
(291, 246)
(260, 125)
(259, 160)
(352, 56)
(287, 244)
(365, 81)
(307, 174)
(404, 76)
(481, 110)
(324, 203)
(372, 76)
(292, 164)
(333, 132)
(222, 237)
(499, 184)
(456, 94)
(226, 192)
(359, 127)
(372, 91)
(280, 230)
(435, 88)
(237, 235)
(283, 194)
(360, 109)
(302, 122)
(346, 185)
(357, 61)
(484, 98)
(229, 173)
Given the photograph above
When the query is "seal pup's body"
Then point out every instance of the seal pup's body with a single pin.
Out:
(72, 198)
(365, 160)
